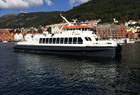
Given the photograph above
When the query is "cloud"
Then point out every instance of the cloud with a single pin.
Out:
(8, 4)
(49, 2)
(13, 4)
(77, 2)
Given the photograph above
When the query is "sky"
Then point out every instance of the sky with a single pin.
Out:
(18, 6)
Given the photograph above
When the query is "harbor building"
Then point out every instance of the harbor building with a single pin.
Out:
(134, 27)
(6, 35)
(113, 31)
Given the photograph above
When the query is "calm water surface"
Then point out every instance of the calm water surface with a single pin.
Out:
(34, 74)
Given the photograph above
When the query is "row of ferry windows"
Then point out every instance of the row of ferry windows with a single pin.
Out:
(75, 40)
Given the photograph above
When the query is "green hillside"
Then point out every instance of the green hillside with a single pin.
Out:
(29, 19)
(106, 10)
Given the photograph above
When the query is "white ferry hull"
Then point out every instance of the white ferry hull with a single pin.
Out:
(74, 51)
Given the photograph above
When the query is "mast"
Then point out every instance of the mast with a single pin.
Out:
(65, 19)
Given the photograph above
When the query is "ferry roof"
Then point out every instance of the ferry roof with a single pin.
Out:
(79, 26)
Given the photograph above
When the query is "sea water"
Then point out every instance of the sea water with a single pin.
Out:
(36, 74)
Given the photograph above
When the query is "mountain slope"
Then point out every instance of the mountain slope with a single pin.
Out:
(29, 19)
(107, 10)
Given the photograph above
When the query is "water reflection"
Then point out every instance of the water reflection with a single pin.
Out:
(72, 73)
(82, 76)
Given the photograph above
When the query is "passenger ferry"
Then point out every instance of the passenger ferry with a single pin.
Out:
(71, 39)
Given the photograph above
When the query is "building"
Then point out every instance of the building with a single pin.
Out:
(5, 35)
(133, 27)
(113, 31)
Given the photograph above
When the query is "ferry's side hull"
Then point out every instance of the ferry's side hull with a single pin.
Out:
(62, 50)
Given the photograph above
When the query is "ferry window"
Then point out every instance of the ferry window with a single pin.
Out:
(50, 41)
(61, 40)
(86, 38)
(57, 40)
(66, 40)
(89, 39)
(93, 29)
(54, 40)
(74, 40)
(96, 39)
(43, 41)
(47, 40)
(70, 41)
(109, 43)
(40, 40)
(80, 41)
